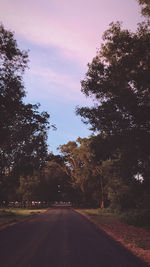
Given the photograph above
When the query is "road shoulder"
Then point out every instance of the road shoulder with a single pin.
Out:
(126, 235)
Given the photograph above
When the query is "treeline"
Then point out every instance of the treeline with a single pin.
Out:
(102, 180)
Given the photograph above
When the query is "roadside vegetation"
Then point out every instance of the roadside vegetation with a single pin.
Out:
(132, 217)
(10, 215)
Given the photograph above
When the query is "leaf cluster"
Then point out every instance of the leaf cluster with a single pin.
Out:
(145, 7)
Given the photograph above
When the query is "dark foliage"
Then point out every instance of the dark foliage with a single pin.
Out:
(23, 129)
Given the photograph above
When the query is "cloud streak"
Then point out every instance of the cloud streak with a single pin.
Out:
(46, 28)
(74, 26)
(44, 83)
(55, 77)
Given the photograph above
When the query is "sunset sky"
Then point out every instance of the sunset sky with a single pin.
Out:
(62, 36)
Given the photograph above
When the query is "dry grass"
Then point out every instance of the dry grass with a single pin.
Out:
(13, 215)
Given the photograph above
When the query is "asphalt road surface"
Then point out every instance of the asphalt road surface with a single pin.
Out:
(61, 238)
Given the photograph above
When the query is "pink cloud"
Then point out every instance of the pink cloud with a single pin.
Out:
(74, 26)
(46, 28)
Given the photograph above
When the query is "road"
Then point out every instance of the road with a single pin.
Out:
(61, 238)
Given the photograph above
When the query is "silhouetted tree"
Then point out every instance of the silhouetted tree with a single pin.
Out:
(23, 129)
(118, 78)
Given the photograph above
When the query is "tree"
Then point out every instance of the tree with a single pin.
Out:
(30, 137)
(145, 7)
(28, 188)
(118, 78)
(23, 129)
(12, 62)
(55, 183)
(82, 169)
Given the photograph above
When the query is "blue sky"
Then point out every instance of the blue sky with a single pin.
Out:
(62, 36)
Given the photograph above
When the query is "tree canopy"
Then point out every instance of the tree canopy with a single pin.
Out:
(23, 129)
(81, 167)
(118, 79)
(145, 7)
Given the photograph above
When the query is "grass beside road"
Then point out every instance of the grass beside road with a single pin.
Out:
(134, 238)
(13, 215)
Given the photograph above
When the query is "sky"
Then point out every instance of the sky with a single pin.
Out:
(62, 37)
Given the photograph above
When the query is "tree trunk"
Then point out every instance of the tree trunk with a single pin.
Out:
(83, 194)
(102, 192)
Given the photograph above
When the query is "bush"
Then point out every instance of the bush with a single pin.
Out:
(139, 218)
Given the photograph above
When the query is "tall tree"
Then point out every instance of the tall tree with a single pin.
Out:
(12, 65)
(118, 78)
(23, 129)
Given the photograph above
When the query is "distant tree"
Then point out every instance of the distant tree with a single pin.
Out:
(55, 183)
(28, 188)
(81, 168)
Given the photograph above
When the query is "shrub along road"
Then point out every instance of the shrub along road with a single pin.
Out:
(61, 238)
